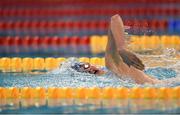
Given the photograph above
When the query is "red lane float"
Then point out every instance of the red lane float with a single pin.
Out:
(53, 24)
(26, 41)
(77, 2)
(29, 12)
(5, 25)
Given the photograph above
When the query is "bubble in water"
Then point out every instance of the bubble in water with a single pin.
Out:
(169, 52)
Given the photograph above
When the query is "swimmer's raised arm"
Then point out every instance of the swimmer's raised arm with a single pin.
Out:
(117, 28)
(121, 61)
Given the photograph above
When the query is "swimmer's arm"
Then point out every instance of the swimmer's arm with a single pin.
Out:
(112, 49)
(117, 29)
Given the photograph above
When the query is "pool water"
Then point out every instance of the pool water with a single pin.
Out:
(89, 106)
(65, 76)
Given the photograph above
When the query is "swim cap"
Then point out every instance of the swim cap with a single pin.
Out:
(80, 67)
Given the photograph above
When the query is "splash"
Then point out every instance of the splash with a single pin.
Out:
(89, 80)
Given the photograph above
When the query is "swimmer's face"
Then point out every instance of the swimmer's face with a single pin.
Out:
(88, 68)
(92, 69)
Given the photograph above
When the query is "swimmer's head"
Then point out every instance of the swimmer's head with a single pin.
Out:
(87, 68)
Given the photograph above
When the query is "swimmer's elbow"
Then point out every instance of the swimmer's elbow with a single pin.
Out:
(107, 63)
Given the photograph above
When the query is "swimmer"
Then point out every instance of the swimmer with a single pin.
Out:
(117, 58)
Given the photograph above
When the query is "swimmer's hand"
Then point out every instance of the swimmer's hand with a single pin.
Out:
(117, 29)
